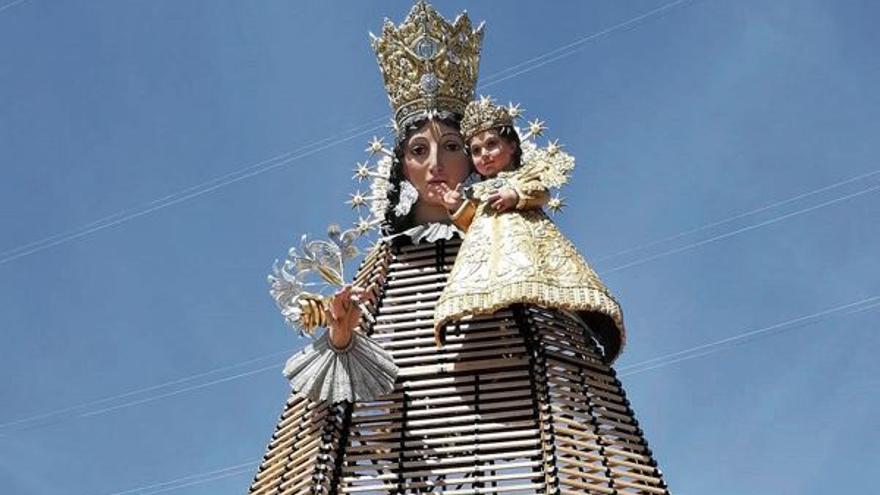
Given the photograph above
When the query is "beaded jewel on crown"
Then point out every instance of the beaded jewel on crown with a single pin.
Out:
(428, 64)
(482, 115)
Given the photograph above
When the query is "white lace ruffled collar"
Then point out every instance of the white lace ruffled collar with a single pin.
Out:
(429, 232)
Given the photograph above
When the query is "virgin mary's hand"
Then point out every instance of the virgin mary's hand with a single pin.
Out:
(345, 314)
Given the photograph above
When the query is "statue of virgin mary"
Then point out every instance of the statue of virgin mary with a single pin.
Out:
(522, 400)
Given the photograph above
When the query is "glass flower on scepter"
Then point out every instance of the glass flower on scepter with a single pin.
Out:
(316, 266)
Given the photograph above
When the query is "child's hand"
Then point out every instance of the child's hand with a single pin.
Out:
(452, 198)
(503, 199)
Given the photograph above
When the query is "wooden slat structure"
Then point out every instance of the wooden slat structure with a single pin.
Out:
(519, 402)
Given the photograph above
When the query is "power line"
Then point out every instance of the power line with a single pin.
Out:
(159, 201)
(712, 347)
(285, 158)
(621, 267)
(11, 4)
(105, 400)
(43, 245)
(865, 308)
(738, 231)
(575, 46)
(247, 470)
(260, 167)
(152, 398)
(739, 216)
(188, 480)
(656, 363)
(246, 467)
(489, 80)
(273, 366)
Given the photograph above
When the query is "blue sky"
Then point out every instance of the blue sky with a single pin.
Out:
(707, 110)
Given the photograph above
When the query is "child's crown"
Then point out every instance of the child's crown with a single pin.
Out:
(482, 115)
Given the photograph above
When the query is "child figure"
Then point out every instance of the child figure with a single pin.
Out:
(512, 252)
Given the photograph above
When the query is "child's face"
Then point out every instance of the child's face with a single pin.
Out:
(491, 152)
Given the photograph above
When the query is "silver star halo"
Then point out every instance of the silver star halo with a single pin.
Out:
(553, 165)
(302, 283)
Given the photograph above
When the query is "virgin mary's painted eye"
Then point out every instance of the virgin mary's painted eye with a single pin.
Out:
(453, 146)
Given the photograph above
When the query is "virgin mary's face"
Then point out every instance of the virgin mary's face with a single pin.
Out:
(434, 156)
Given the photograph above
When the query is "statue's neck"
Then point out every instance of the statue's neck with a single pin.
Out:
(425, 213)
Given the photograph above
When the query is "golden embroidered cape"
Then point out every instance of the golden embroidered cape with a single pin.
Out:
(519, 256)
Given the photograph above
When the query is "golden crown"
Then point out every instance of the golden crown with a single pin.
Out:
(482, 115)
(428, 64)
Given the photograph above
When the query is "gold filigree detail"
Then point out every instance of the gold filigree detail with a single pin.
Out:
(552, 165)
(482, 115)
(315, 263)
(428, 64)
(520, 257)
(312, 310)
